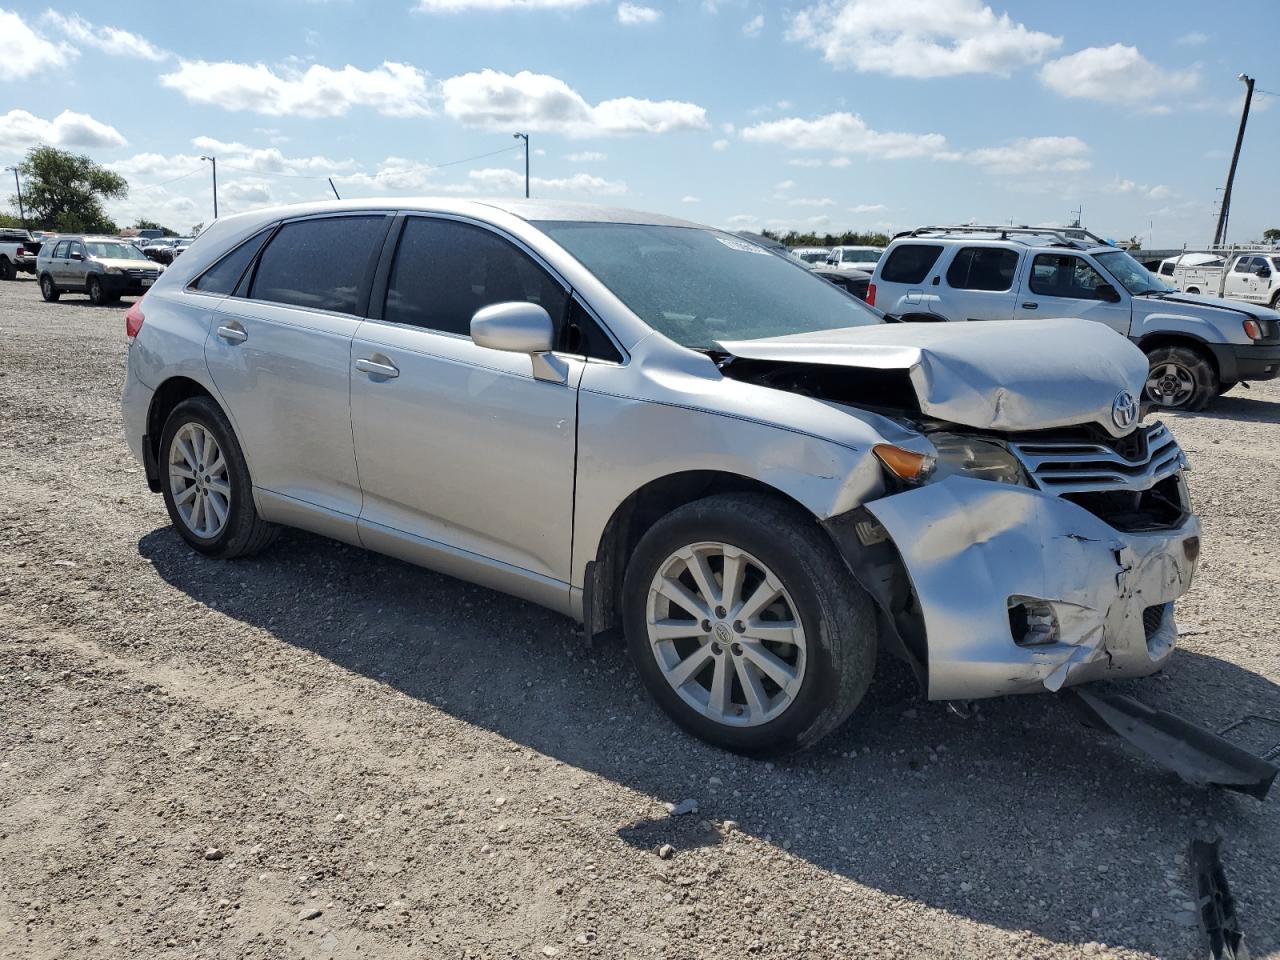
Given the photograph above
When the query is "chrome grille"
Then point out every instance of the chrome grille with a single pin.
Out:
(1079, 465)
(140, 272)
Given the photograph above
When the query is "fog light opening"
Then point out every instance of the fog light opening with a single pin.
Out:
(1032, 622)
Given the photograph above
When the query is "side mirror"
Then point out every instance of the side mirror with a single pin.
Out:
(1264, 272)
(520, 327)
(1107, 292)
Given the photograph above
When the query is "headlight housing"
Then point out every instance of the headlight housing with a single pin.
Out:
(976, 457)
(114, 270)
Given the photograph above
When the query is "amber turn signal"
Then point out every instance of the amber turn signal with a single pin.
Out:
(904, 464)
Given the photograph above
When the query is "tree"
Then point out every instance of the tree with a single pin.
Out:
(1271, 235)
(64, 191)
(142, 224)
(9, 220)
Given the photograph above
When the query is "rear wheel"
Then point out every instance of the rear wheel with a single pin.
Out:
(48, 289)
(1180, 378)
(745, 625)
(206, 484)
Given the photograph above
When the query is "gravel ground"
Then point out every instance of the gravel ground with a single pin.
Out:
(324, 753)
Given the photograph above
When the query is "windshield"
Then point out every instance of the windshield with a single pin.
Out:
(861, 255)
(1136, 278)
(700, 287)
(113, 251)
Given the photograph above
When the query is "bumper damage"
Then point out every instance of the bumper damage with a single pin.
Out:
(1019, 591)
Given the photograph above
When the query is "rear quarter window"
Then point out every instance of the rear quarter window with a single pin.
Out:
(982, 268)
(909, 262)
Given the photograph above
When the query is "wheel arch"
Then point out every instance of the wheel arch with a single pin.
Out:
(1153, 341)
(602, 583)
(166, 397)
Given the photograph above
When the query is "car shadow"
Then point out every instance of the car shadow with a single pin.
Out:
(1238, 405)
(982, 817)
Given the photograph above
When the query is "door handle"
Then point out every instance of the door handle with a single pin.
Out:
(376, 369)
(232, 334)
(1028, 305)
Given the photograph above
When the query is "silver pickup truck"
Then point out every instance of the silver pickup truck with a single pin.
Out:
(1198, 347)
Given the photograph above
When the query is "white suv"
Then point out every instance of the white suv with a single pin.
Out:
(1198, 347)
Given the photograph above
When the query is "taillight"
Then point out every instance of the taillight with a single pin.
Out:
(871, 294)
(1252, 330)
(133, 321)
(21, 252)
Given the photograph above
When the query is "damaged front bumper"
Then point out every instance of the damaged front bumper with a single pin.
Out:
(1018, 591)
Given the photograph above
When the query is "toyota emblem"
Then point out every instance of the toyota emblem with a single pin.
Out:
(1124, 410)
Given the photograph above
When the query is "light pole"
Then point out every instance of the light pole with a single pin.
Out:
(525, 138)
(22, 213)
(1220, 234)
(214, 161)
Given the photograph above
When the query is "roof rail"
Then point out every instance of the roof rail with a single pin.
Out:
(1067, 236)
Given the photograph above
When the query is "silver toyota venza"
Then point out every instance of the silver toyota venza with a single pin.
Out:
(665, 430)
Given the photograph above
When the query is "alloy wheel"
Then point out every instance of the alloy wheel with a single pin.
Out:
(1170, 384)
(199, 480)
(726, 634)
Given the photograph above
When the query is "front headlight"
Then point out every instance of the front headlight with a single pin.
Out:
(115, 270)
(977, 458)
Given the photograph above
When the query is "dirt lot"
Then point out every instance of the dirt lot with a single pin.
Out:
(324, 753)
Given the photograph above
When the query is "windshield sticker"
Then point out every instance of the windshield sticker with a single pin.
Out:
(742, 246)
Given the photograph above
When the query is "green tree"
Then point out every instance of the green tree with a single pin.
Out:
(10, 220)
(1271, 235)
(64, 191)
(142, 224)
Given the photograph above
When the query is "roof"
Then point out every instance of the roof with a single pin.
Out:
(530, 210)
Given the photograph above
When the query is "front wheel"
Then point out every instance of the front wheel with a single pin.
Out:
(206, 484)
(49, 290)
(1180, 378)
(746, 626)
(97, 293)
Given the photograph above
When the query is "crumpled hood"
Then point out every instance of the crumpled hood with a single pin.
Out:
(993, 375)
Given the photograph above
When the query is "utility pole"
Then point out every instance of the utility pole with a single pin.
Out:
(22, 213)
(214, 161)
(1220, 234)
(525, 138)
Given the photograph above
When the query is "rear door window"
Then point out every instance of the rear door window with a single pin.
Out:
(321, 264)
(446, 270)
(60, 251)
(982, 268)
(909, 262)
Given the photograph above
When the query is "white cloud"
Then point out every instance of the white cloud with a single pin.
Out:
(720, 144)
(1033, 155)
(784, 185)
(839, 162)
(24, 52)
(1159, 191)
(246, 194)
(1114, 74)
(919, 38)
(460, 6)
(110, 40)
(754, 26)
(1193, 39)
(499, 180)
(844, 133)
(633, 14)
(586, 156)
(238, 156)
(538, 102)
(393, 89)
(812, 202)
(809, 162)
(867, 208)
(691, 199)
(20, 130)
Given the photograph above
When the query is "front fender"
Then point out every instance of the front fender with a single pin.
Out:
(1209, 330)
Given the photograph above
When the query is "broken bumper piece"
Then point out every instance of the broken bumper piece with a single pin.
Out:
(1020, 591)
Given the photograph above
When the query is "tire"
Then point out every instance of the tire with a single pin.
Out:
(7, 269)
(97, 295)
(837, 638)
(49, 290)
(1275, 301)
(241, 531)
(1186, 376)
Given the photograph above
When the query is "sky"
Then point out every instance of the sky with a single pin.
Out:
(811, 115)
